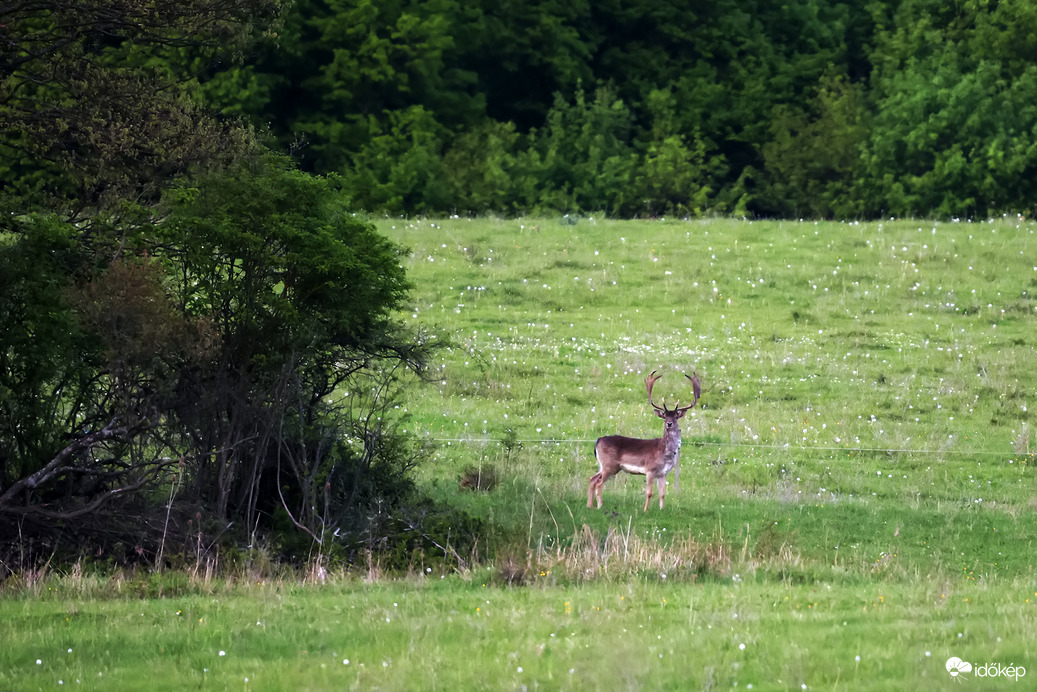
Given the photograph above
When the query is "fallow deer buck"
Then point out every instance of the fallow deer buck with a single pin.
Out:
(650, 458)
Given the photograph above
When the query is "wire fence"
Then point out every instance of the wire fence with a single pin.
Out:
(748, 445)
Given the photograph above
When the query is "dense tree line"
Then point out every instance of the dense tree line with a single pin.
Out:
(794, 108)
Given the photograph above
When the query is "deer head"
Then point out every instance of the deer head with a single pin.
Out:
(679, 411)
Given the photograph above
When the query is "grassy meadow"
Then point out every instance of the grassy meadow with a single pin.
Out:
(856, 502)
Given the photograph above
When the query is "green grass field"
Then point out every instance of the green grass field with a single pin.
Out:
(857, 491)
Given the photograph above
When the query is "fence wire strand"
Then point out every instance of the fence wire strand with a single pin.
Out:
(747, 445)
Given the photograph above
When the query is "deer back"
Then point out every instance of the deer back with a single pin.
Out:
(635, 455)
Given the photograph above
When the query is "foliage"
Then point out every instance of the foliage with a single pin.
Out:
(193, 327)
(88, 365)
(954, 114)
(400, 170)
(677, 173)
(300, 292)
(85, 125)
(807, 108)
(815, 157)
(485, 171)
(580, 156)
(43, 345)
(252, 348)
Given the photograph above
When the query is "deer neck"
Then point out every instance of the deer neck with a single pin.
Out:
(671, 441)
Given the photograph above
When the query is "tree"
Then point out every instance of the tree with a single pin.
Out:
(301, 293)
(954, 118)
(90, 113)
(93, 124)
(814, 154)
(582, 156)
(187, 320)
(88, 364)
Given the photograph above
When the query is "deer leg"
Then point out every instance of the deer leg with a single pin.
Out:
(601, 481)
(648, 490)
(662, 490)
(594, 485)
(598, 480)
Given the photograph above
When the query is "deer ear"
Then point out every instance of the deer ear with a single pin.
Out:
(660, 412)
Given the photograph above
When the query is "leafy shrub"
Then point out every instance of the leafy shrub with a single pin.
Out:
(399, 168)
(582, 158)
(813, 156)
(481, 169)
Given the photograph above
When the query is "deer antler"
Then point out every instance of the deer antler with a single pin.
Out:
(649, 383)
(697, 389)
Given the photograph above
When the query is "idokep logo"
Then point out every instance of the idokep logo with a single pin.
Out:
(957, 668)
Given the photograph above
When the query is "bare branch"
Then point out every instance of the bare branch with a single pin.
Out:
(96, 503)
(57, 465)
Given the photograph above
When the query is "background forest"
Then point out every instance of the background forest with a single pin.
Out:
(805, 108)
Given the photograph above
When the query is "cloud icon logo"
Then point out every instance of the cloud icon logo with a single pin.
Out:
(955, 666)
